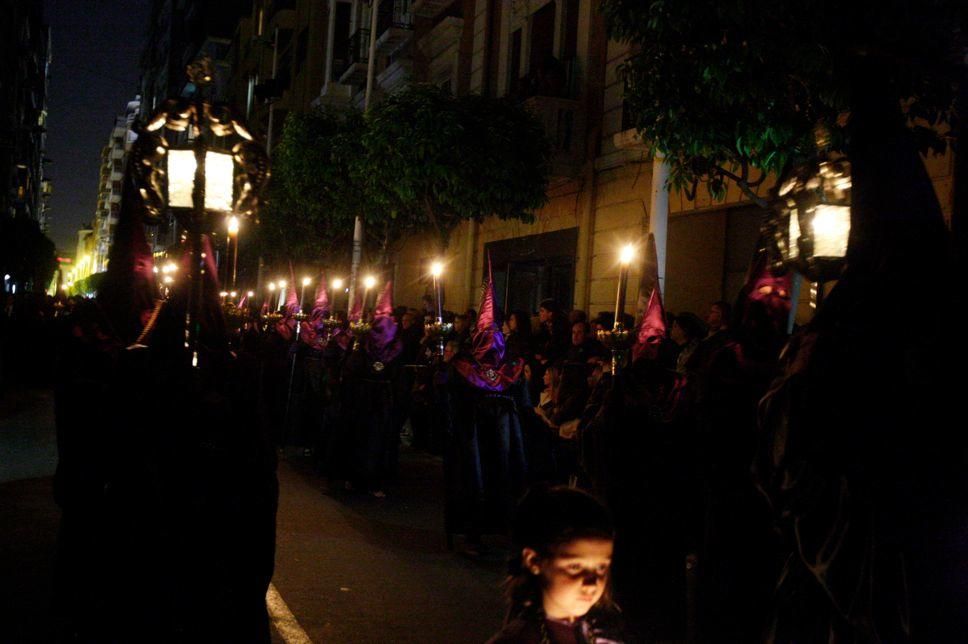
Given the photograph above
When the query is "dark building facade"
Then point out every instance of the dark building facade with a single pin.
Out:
(25, 52)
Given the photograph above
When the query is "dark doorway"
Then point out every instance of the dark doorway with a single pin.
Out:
(532, 268)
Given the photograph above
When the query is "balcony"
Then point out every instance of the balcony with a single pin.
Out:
(442, 37)
(430, 8)
(397, 74)
(563, 123)
(357, 57)
(394, 24)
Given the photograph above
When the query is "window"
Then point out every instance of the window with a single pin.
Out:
(542, 43)
(116, 165)
(514, 63)
(302, 46)
(341, 38)
(529, 269)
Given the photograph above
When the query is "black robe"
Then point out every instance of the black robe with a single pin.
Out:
(167, 486)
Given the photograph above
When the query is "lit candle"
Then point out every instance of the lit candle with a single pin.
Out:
(368, 283)
(302, 291)
(625, 260)
(282, 294)
(436, 269)
(337, 287)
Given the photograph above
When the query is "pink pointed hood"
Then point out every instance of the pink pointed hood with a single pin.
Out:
(486, 368)
(765, 289)
(356, 310)
(321, 304)
(652, 329)
(128, 293)
(381, 342)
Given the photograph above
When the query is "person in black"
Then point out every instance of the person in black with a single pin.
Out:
(167, 485)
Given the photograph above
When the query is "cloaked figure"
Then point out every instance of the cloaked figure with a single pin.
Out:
(370, 441)
(484, 459)
(637, 460)
(861, 450)
(165, 480)
(730, 372)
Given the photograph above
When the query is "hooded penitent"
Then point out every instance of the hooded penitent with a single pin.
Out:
(487, 369)
(356, 310)
(652, 329)
(128, 295)
(209, 311)
(321, 305)
(381, 342)
(765, 298)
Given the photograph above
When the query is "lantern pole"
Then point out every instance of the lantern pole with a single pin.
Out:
(196, 269)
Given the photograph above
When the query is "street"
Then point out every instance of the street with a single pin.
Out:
(350, 568)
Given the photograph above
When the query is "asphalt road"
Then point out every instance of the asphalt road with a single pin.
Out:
(350, 568)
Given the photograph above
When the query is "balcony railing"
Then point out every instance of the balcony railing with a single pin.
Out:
(563, 123)
(394, 14)
(357, 56)
(394, 24)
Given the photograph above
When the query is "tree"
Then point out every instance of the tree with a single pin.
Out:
(26, 254)
(734, 90)
(314, 194)
(433, 161)
(420, 160)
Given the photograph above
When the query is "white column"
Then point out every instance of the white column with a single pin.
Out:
(659, 214)
(358, 223)
(330, 37)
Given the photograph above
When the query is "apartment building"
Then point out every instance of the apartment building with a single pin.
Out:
(25, 187)
(113, 157)
(552, 56)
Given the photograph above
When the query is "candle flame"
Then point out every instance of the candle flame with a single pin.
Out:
(627, 254)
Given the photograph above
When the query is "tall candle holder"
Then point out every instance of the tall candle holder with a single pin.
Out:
(619, 339)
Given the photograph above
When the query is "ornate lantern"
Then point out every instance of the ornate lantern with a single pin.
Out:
(202, 182)
(814, 218)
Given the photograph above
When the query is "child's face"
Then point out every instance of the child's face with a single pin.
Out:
(575, 577)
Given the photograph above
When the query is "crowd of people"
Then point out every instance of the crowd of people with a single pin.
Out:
(510, 403)
(663, 432)
(513, 402)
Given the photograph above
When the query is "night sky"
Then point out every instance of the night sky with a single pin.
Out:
(94, 73)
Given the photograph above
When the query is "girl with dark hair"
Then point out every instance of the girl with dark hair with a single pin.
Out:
(557, 585)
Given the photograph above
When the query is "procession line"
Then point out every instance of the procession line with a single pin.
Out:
(283, 619)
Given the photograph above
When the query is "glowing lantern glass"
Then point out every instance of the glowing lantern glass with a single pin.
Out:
(219, 179)
(816, 206)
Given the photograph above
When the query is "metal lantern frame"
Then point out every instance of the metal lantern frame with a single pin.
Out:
(211, 130)
(818, 192)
